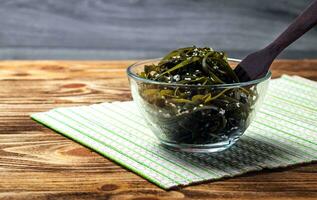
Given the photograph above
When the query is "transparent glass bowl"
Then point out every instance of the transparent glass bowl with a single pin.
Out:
(207, 118)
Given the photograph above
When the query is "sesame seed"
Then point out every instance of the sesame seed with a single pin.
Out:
(222, 111)
(176, 77)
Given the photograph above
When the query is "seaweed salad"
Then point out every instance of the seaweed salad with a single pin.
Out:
(188, 107)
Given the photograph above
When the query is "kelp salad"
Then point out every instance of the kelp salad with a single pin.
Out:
(183, 104)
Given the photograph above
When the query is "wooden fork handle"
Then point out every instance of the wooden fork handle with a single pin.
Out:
(303, 23)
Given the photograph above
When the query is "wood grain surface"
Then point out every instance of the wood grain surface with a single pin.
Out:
(37, 163)
(112, 29)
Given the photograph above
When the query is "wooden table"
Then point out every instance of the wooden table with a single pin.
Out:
(37, 163)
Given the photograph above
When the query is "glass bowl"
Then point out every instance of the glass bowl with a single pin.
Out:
(196, 118)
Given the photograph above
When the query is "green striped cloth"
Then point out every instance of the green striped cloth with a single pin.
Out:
(284, 133)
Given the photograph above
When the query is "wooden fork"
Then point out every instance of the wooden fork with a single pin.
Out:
(257, 64)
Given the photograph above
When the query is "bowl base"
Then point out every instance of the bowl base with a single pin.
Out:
(198, 148)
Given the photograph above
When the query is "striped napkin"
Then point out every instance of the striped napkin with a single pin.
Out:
(284, 133)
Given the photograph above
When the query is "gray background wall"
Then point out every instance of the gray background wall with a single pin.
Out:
(130, 29)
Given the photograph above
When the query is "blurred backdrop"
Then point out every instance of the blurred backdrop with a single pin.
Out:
(135, 29)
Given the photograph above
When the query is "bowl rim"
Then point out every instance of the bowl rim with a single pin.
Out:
(226, 85)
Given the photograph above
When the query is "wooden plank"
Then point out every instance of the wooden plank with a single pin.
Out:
(37, 163)
(84, 29)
